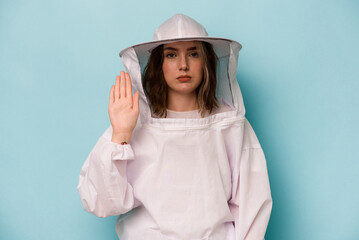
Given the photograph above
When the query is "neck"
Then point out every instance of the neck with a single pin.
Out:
(182, 102)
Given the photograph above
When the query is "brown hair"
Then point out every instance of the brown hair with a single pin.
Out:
(155, 85)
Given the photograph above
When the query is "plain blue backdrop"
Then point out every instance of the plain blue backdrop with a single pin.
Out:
(298, 71)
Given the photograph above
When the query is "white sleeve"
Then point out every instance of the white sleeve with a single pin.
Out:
(251, 202)
(103, 185)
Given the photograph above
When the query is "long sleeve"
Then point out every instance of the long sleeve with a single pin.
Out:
(103, 185)
(251, 201)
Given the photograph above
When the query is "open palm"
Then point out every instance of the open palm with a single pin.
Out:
(123, 108)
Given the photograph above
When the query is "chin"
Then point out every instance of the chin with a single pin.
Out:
(186, 91)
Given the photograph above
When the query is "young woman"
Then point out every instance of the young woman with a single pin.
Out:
(190, 167)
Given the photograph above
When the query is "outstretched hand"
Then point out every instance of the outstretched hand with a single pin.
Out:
(123, 108)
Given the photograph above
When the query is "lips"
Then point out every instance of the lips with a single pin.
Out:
(184, 78)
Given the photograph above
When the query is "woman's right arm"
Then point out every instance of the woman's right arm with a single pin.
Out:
(103, 185)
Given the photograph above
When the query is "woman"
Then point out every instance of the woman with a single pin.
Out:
(191, 167)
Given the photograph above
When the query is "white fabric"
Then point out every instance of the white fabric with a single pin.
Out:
(196, 113)
(184, 178)
(186, 27)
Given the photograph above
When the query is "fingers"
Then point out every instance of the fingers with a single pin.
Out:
(135, 101)
(128, 85)
(123, 85)
(122, 88)
(117, 88)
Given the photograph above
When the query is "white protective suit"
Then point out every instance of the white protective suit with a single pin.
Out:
(182, 178)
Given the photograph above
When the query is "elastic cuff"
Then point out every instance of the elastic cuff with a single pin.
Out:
(121, 152)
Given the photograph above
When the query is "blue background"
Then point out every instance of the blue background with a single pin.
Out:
(298, 71)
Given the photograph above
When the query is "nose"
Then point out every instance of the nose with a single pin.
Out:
(183, 63)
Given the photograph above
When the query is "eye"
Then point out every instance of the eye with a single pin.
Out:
(170, 55)
(194, 54)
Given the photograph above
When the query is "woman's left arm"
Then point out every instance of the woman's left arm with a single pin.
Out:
(251, 201)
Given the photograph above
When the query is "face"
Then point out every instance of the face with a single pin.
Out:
(182, 67)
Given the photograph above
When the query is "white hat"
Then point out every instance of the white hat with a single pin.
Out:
(181, 28)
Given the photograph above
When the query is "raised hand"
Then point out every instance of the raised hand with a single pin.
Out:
(123, 109)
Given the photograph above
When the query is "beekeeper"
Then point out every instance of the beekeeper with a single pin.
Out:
(179, 161)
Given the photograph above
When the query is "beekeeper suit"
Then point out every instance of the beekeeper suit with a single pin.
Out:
(182, 178)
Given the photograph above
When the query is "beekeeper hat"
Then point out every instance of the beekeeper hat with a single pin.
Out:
(181, 28)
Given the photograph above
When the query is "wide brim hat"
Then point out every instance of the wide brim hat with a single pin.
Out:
(182, 28)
